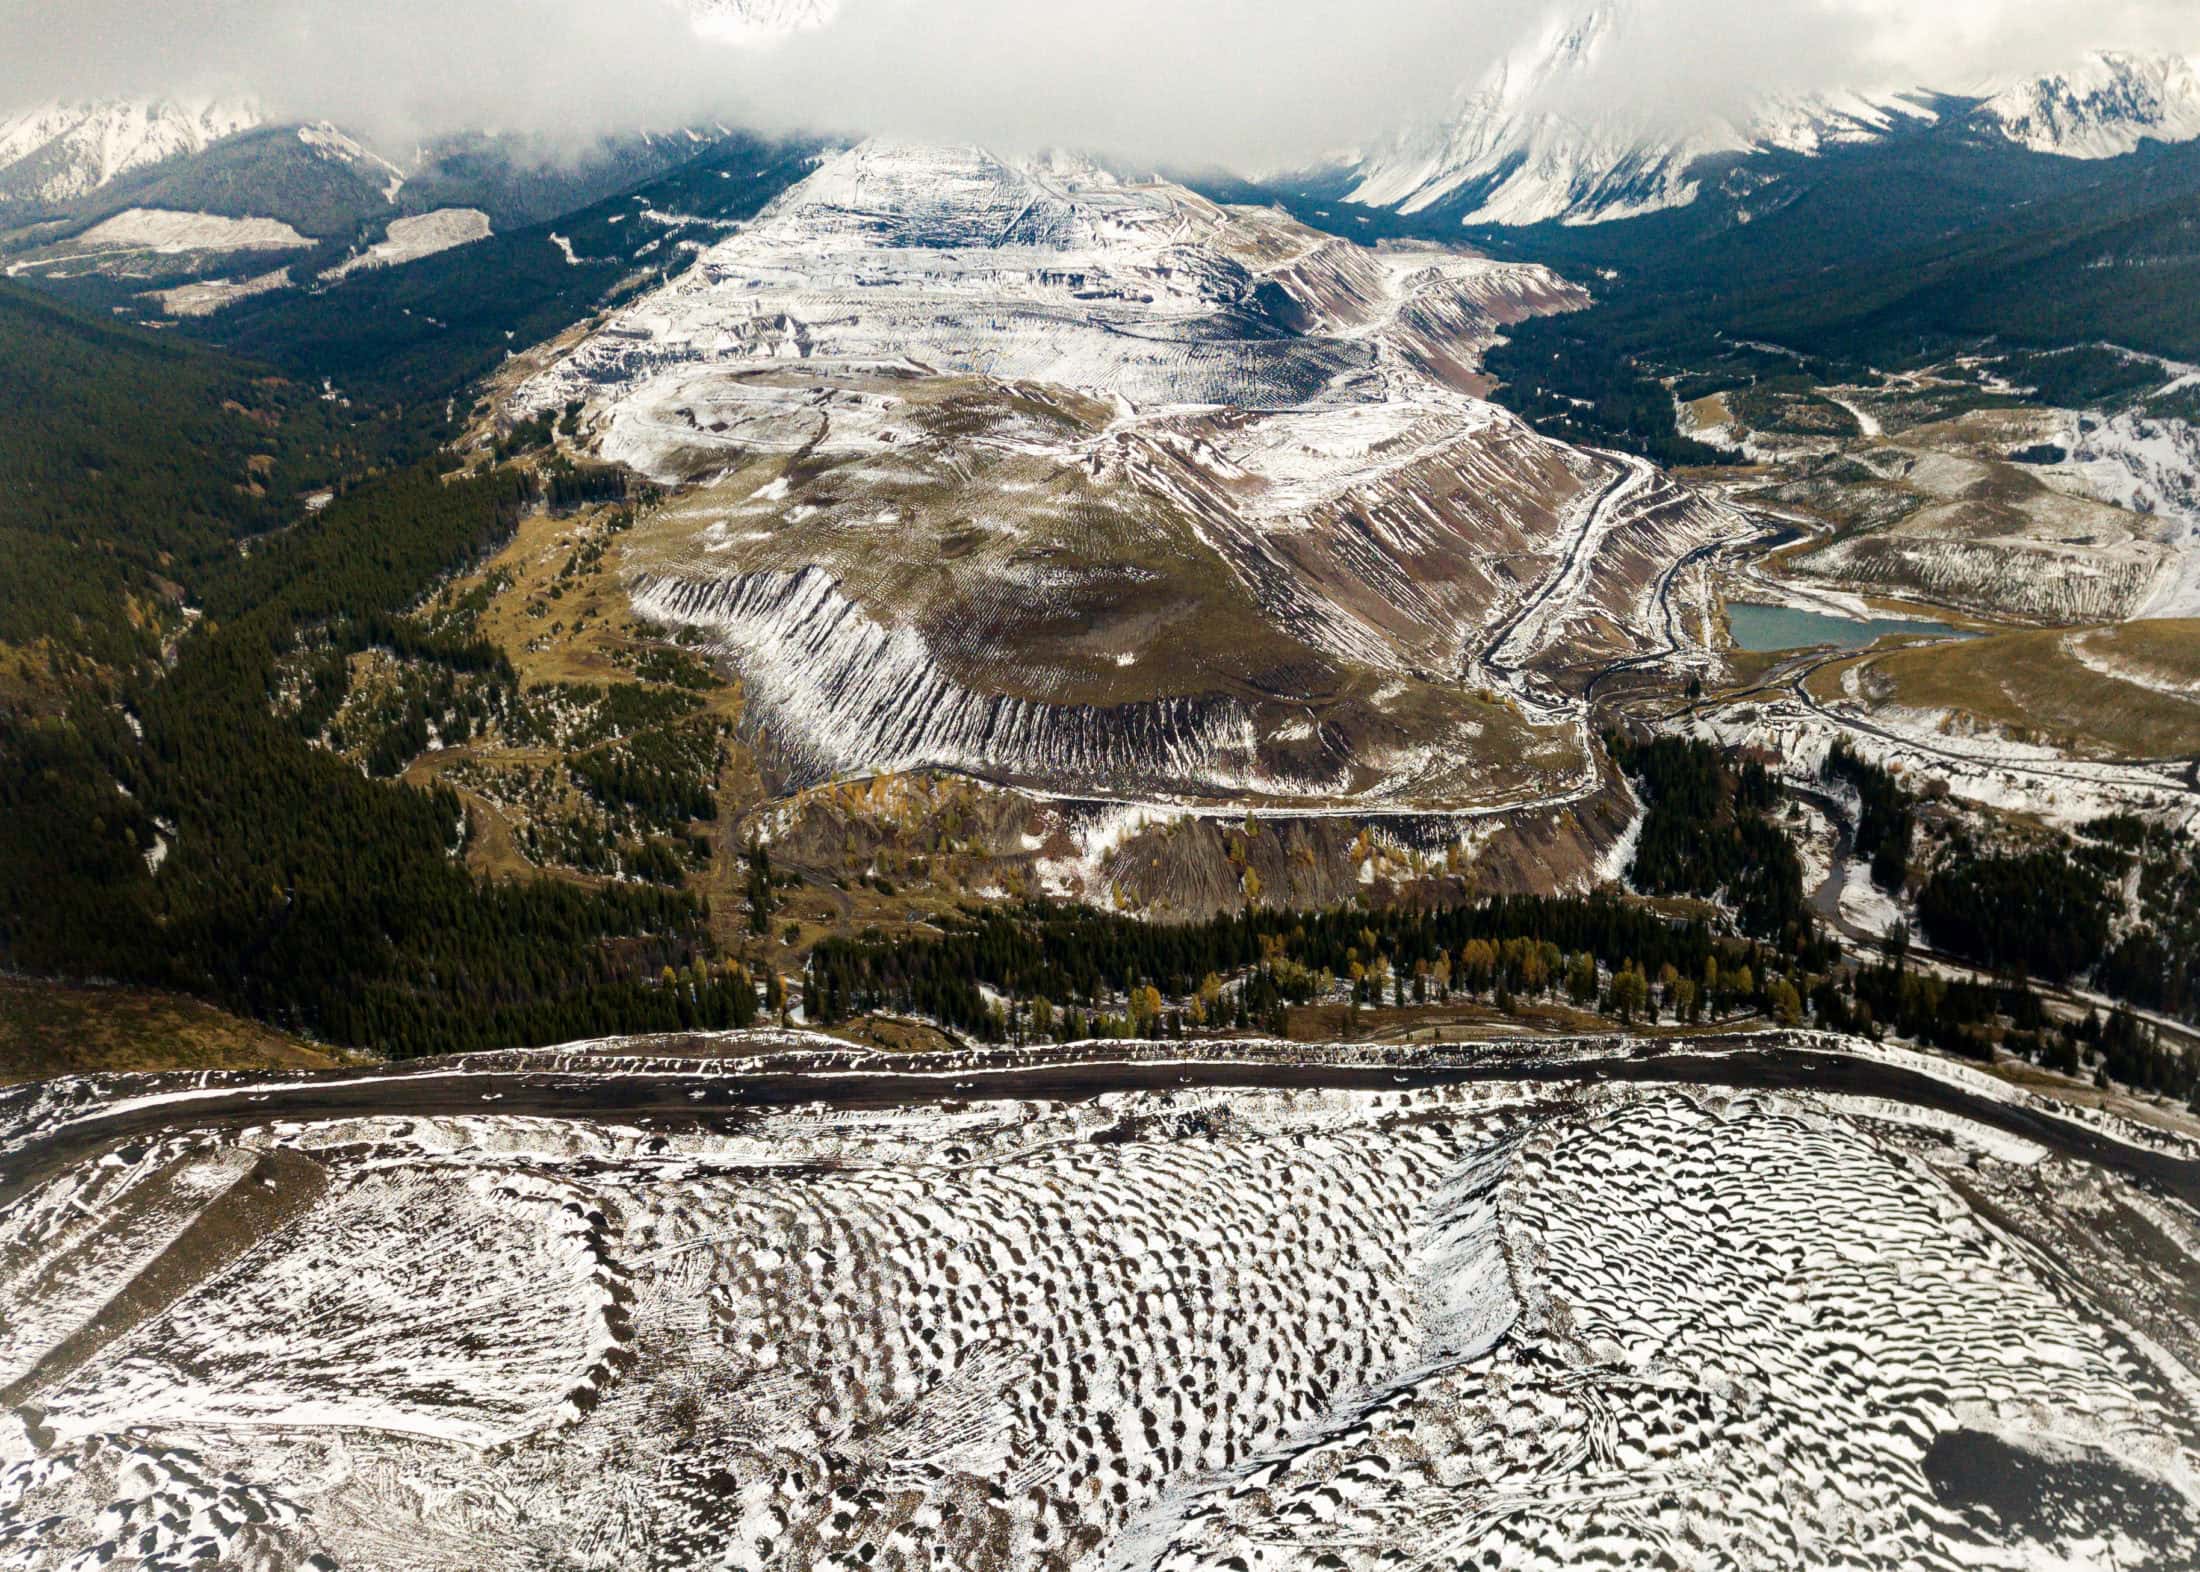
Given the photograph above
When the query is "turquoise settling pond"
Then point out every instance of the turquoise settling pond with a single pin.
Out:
(1769, 628)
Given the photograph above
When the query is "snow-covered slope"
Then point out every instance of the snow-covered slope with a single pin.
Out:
(2103, 108)
(1049, 270)
(58, 152)
(1812, 123)
(1014, 466)
(333, 145)
(150, 229)
(1536, 141)
(1530, 1324)
(423, 235)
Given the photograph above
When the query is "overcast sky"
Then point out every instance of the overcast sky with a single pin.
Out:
(1250, 83)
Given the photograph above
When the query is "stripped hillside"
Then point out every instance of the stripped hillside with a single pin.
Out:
(1092, 485)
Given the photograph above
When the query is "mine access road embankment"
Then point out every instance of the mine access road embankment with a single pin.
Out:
(700, 1096)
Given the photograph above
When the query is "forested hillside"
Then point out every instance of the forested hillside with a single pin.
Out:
(162, 820)
(268, 172)
(130, 467)
(187, 529)
(184, 833)
(2116, 262)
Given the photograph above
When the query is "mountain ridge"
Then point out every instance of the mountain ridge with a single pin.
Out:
(56, 152)
(1518, 148)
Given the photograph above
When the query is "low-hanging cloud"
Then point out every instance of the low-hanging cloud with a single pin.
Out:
(1244, 83)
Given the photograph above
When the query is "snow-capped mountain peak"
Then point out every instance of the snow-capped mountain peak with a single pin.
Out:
(759, 21)
(1522, 150)
(1535, 141)
(2103, 108)
(1543, 136)
(59, 151)
(1811, 124)
(339, 147)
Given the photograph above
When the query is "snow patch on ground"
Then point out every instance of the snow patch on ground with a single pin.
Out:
(1613, 866)
(208, 296)
(171, 233)
(422, 235)
(1864, 905)
(70, 1245)
(159, 1509)
(2150, 467)
(397, 1339)
(1987, 769)
(2139, 676)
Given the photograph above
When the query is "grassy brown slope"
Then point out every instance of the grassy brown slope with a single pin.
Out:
(49, 1029)
(2033, 687)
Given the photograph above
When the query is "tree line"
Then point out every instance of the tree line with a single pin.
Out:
(1101, 966)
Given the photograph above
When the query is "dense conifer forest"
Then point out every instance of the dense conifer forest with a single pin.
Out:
(131, 466)
(161, 819)
(289, 885)
(1708, 833)
(1930, 246)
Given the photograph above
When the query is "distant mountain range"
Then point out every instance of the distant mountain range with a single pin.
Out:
(1532, 141)
(57, 157)
(1519, 148)
(1529, 143)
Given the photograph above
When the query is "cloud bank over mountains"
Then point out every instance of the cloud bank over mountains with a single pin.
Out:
(1245, 83)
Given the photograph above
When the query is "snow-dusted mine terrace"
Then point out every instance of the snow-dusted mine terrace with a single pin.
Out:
(1020, 468)
(1791, 1303)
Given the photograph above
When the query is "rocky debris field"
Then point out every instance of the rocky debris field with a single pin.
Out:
(1387, 1321)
